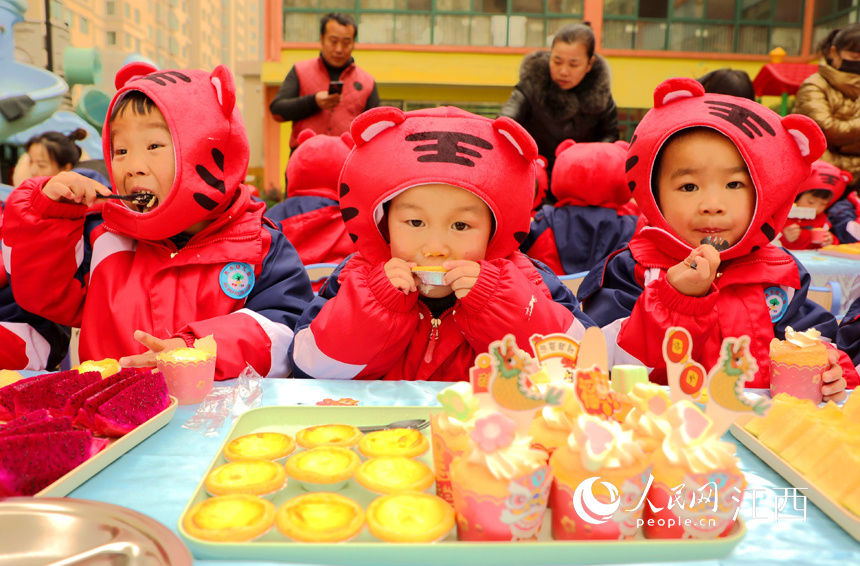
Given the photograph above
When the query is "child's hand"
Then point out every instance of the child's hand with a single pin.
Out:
(695, 281)
(399, 272)
(832, 382)
(155, 345)
(73, 187)
(462, 275)
(827, 240)
(791, 232)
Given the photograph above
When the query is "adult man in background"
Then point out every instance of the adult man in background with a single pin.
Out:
(327, 92)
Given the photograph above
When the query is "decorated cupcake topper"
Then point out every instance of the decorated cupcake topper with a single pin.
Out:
(505, 373)
(458, 401)
(726, 397)
(685, 376)
(493, 432)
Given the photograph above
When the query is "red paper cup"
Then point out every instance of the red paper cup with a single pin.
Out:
(803, 382)
(189, 382)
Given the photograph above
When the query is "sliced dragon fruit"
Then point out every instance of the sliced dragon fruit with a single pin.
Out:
(85, 415)
(132, 406)
(30, 462)
(35, 416)
(49, 424)
(8, 393)
(51, 394)
(76, 401)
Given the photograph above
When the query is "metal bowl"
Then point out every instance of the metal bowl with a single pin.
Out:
(62, 531)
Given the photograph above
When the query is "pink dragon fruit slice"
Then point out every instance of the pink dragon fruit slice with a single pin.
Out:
(132, 406)
(35, 416)
(49, 424)
(30, 462)
(51, 394)
(8, 393)
(87, 412)
(76, 401)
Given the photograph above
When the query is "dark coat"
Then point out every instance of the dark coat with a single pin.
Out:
(585, 113)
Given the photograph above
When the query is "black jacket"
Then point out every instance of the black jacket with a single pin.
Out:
(585, 113)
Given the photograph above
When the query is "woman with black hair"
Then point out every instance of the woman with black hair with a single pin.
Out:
(564, 93)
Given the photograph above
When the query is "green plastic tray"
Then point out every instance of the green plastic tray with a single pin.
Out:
(365, 549)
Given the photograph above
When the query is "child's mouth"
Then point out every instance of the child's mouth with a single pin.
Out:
(143, 201)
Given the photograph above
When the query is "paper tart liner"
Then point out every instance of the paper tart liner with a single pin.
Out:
(801, 381)
(328, 435)
(233, 518)
(309, 518)
(696, 521)
(584, 508)
(324, 468)
(430, 275)
(390, 474)
(491, 509)
(235, 478)
(448, 443)
(273, 446)
(188, 381)
(410, 516)
(406, 442)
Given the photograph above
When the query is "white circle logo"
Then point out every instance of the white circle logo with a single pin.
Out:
(589, 508)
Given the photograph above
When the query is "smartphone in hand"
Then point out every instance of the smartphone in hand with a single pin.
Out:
(335, 87)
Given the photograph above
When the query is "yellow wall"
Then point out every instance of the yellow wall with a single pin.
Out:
(489, 77)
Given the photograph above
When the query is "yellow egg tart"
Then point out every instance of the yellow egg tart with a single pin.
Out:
(230, 518)
(320, 517)
(260, 446)
(325, 468)
(328, 435)
(106, 367)
(254, 477)
(410, 516)
(406, 442)
(389, 474)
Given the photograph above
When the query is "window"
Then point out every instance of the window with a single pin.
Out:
(501, 23)
(127, 11)
(83, 24)
(110, 38)
(725, 26)
(136, 16)
(110, 8)
(832, 14)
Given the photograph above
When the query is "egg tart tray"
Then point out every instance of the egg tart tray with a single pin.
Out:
(366, 549)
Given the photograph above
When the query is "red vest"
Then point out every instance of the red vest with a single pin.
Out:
(313, 77)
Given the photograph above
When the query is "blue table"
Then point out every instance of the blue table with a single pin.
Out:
(158, 477)
(824, 268)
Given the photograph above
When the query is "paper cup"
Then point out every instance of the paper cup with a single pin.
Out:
(491, 509)
(189, 382)
(801, 381)
(448, 443)
(818, 235)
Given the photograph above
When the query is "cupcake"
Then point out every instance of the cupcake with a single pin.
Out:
(389, 474)
(229, 518)
(552, 425)
(410, 516)
(600, 476)
(254, 477)
(320, 517)
(501, 487)
(260, 446)
(324, 468)
(406, 442)
(328, 435)
(796, 364)
(449, 430)
(647, 418)
(699, 473)
(189, 373)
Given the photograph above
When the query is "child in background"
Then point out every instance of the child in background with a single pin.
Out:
(584, 226)
(848, 335)
(819, 191)
(310, 215)
(541, 183)
(28, 341)
(50, 153)
(844, 217)
(733, 82)
(446, 189)
(719, 167)
(191, 256)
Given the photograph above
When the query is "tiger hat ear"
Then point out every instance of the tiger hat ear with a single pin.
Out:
(522, 141)
(225, 89)
(676, 89)
(807, 135)
(133, 71)
(376, 120)
(304, 136)
(559, 149)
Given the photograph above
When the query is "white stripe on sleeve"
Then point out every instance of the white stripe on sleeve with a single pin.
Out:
(311, 360)
(281, 336)
(38, 349)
